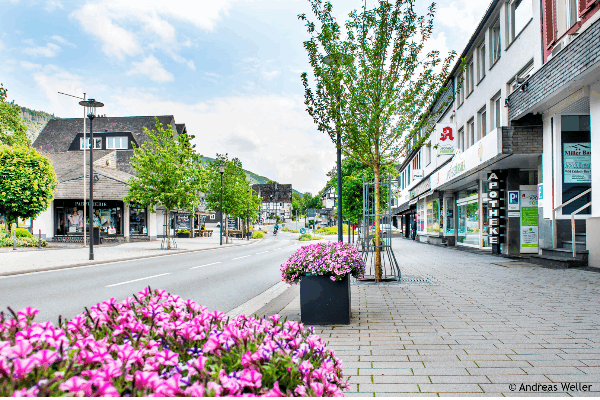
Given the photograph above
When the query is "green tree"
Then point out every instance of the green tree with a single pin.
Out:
(12, 129)
(27, 182)
(374, 86)
(167, 173)
(297, 203)
(238, 198)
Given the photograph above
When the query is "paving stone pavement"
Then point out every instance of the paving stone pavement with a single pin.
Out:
(479, 330)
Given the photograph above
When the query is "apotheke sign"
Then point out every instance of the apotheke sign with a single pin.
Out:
(496, 221)
(446, 139)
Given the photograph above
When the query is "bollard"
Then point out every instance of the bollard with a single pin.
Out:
(40, 239)
(14, 236)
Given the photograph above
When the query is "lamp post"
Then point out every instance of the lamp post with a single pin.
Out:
(92, 105)
(334, 60)
(248, 216)
(221, 170)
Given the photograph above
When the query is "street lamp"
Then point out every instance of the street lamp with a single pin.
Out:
(221, 170)
(92, 105)
(332, 60)
(248, 216)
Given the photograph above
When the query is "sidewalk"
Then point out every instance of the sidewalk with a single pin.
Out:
(482, 324)
(33, 259)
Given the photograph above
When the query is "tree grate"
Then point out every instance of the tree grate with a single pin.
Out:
(416, 280)
(404, 281)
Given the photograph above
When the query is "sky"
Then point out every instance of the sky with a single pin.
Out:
(228, 69)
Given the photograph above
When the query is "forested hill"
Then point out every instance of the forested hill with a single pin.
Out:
(35, 121)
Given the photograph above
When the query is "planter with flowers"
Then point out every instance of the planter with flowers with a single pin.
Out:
(157, 344)
(323, 270)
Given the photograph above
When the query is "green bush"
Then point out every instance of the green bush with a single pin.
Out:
(183, 231)
(307, 236)
(332, 230)
(257, 235)
(22, 242)
(23, 233)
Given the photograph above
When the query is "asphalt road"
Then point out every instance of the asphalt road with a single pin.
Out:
(220, 279)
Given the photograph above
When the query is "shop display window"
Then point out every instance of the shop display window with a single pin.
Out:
(576, 162)
(468, 217)
(421, 216)
(68, 217)
(433, 217)
(138, 221)
(449, 215)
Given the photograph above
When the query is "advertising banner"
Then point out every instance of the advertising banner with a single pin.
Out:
(446, 138)
(529, 221)
(577, 162)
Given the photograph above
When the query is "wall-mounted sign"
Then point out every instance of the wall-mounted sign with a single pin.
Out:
(446, 138)
(513, 200)
(540, 191)
(529, 221)
(417, 174)
(496, 222)
(577, 163)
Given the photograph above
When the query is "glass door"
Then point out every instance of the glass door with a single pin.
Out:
(468, 217)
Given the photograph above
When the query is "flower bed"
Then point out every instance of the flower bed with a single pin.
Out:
(333, 259)
(158, 344)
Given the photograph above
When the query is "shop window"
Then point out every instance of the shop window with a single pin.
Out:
(482, 123)
(481, 61)
(495, 42)
(68, 217)
(449, 206)
(137, 221)
(433, 217)
(97, 143)
(576, 162)
(117, 143)
(421, 216)
(519, 15)
(468, 217)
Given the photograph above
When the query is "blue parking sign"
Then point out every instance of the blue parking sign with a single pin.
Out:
(513, 200)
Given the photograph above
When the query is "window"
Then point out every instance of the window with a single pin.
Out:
(482, 123)
(521, 77)
(470, 77)
(117, 143)
(519, 15)
(460, 90)
(97, 144)
(471, 132)
(496, 108)
(495, 42)
(481, 61)
(566, 16)
(461, 139)
(428, 154)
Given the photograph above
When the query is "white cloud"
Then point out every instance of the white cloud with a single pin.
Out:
(50, 50)
(30, 66)
(152, 68)
(61, 40)
(52, 5)
(462, 15)
(272, 134)
(1, 45)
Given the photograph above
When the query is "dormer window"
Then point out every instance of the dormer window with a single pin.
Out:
(86, 146)
(117, 143)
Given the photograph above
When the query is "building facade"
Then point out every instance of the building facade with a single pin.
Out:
(62, 140)
(276, 201)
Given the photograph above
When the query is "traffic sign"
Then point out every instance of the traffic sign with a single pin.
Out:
(302, 231)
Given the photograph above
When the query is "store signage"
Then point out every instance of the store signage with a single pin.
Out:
(513, 200)
(446, 139)
(417, 174)
(87, 203)
(496, 222)
(182, 221)
(540, 191)
(577, 162)
(529, 221)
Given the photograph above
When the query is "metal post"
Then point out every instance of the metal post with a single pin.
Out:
(84, 182)
(221, 227)
(91, 117)
(339, 178)
(15, 236)
(40, 239)
(348, 231)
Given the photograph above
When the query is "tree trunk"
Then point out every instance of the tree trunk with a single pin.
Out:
(168, 229)
(377, 228)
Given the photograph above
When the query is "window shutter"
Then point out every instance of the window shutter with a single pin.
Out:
(549, 24)
(584, 6)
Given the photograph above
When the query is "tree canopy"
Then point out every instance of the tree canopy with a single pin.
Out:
(12, 129)
(27, 182)
(167, 172)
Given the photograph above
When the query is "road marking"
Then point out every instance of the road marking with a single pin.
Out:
(279, 248)
(237, 258)
(206, 265)
(136, 280)
(262, 252)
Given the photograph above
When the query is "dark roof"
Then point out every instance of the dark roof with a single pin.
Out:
(181, 129)
(282, 193)
(58, 134)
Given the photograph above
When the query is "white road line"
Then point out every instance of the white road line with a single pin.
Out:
(279, 248)
(136, 280)
(262, 252)
(237, 258)
(206, 265)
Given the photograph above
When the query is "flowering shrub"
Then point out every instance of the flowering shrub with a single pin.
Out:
(158, 344)
(22, 242)
(332, 259)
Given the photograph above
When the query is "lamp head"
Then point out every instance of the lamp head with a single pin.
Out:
(92, 104)
(221, 168)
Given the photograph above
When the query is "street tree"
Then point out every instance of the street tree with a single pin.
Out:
(12, 128)
(167, 173)
(239, 199)
(374, 83)
(27, 182)
(297, 203)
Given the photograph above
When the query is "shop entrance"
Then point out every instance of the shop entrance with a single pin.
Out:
(468, 217)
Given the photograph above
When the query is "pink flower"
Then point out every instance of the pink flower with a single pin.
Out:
(167, 357)
(212, 386)
(251, 378)
(21, 349)
(146, 379)
(170, 387)
(211, 345)
(196, 390)
(23, 366)
(199, 364)
(317, 389)
(106, 389)
(77, 386)
(247, 359)
(45, 357)
(275, 392)
(27, 392)
(28, 312)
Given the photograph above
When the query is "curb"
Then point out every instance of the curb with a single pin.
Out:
(89, 264)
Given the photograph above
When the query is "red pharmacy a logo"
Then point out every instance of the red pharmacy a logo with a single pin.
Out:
(446, 134)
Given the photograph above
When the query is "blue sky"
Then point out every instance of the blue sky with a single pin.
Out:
(228, 69)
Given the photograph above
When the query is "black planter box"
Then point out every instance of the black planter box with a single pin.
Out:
(323, 301)
(183, 235)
